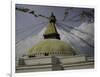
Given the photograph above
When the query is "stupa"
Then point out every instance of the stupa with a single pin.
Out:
(51, 45)
(52, 54)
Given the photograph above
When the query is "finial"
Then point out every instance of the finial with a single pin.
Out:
(52, 14)
(52, 18)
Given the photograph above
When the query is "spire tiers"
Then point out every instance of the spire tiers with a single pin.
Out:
(51, 31)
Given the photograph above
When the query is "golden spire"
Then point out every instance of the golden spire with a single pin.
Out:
(51, 31)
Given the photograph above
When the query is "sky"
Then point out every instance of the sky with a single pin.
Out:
(29, 29)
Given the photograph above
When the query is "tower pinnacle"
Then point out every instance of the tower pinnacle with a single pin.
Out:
(51, 31)
(52, 18)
